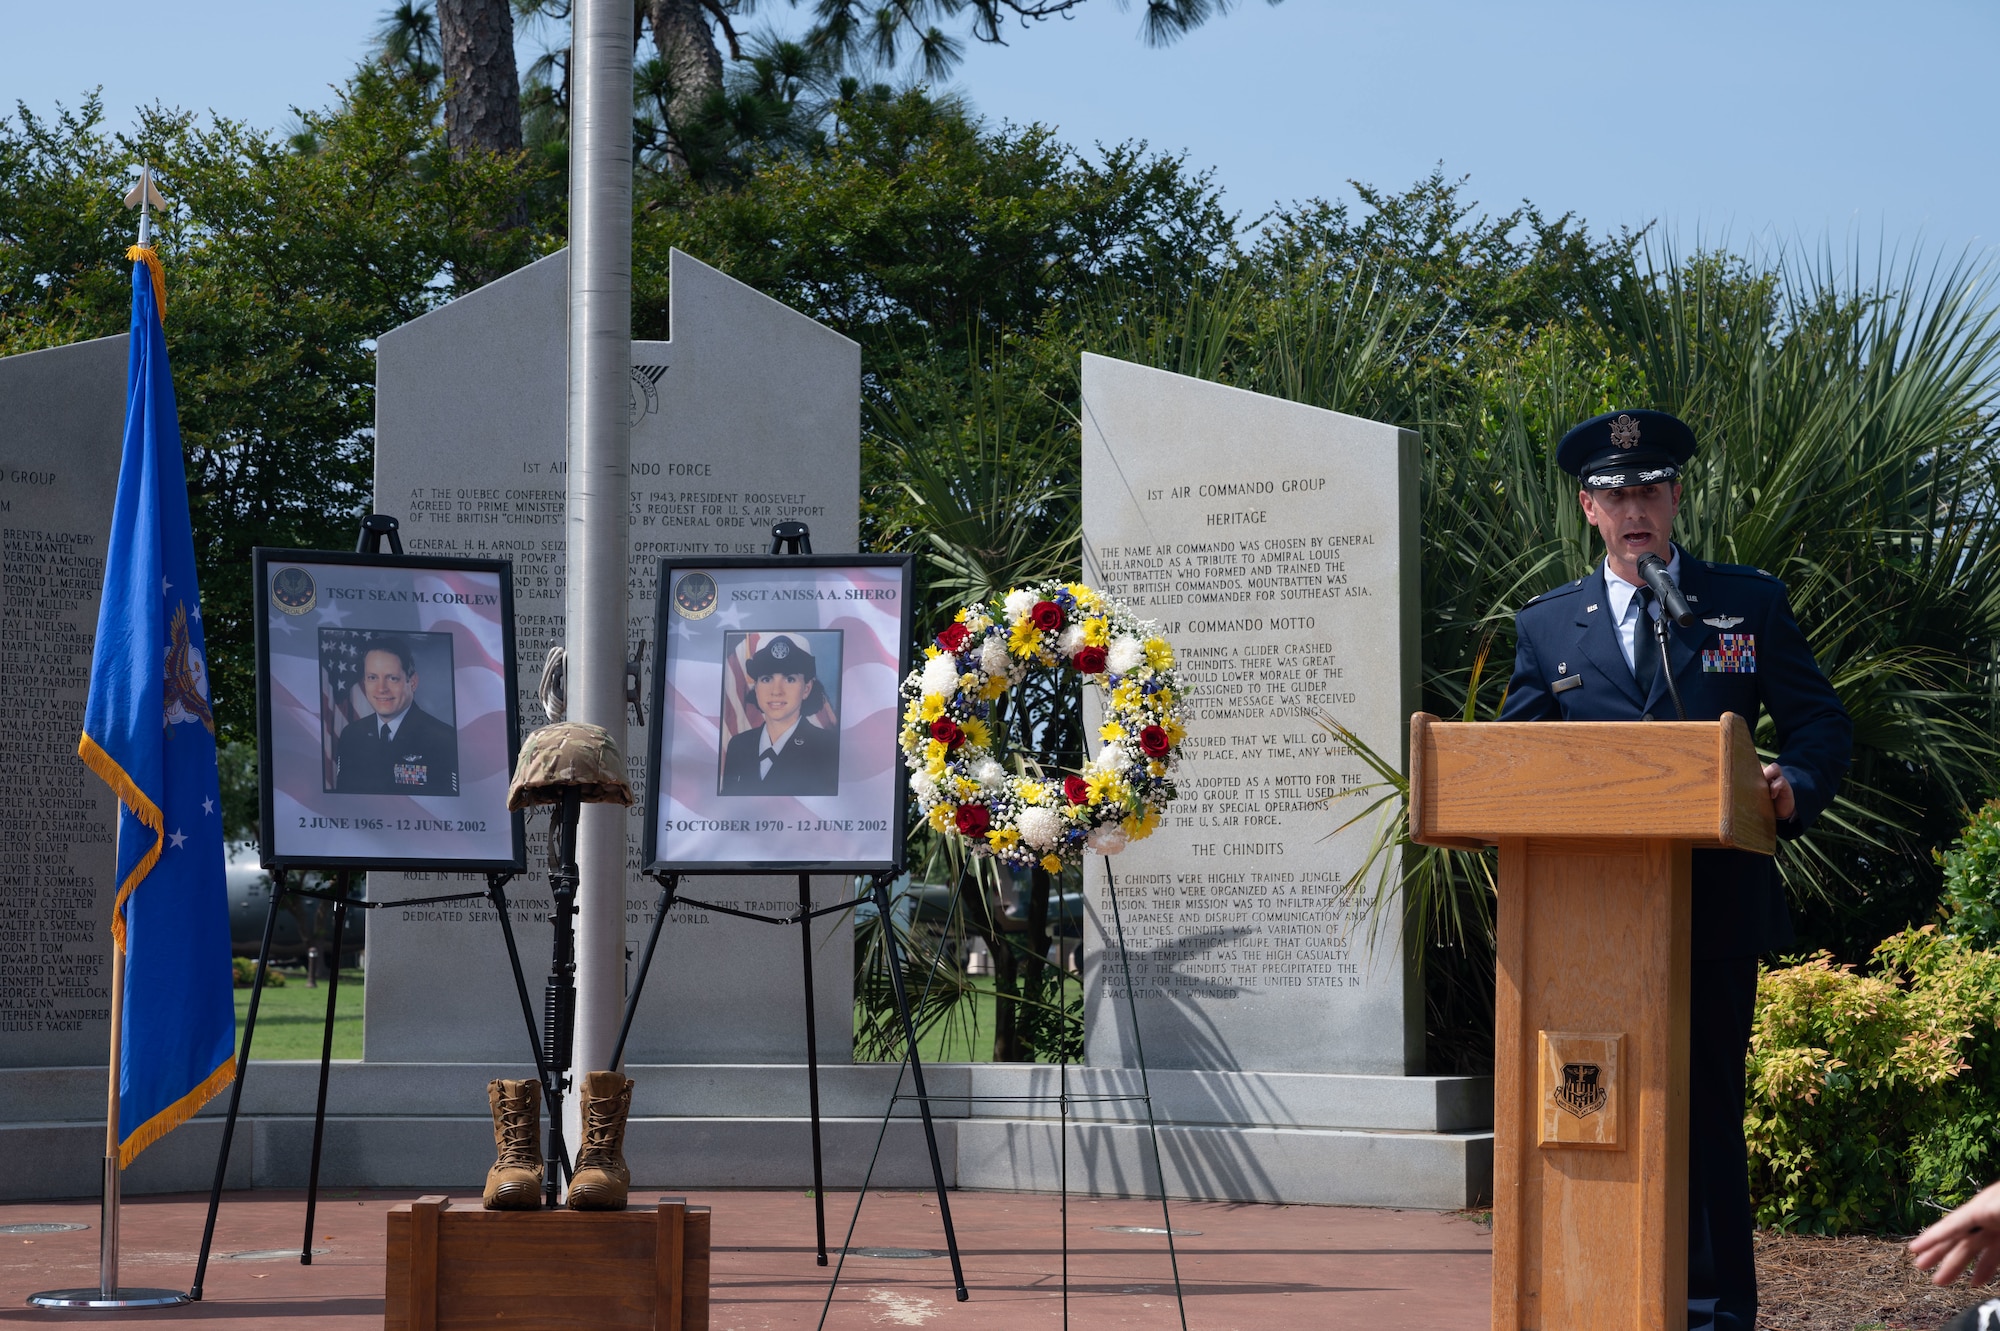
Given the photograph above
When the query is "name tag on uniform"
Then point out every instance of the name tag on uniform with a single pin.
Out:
(1734, 654)
(413, 774)
(1565, 685)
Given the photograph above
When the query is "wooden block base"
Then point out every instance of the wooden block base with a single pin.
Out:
(449, 1268)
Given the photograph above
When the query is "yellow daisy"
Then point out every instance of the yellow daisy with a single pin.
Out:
(1052, 863)
(931, 708)
(1024, 639)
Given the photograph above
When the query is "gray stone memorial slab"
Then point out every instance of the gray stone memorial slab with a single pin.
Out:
(62, 421)
(1275, 544)
(749, 415)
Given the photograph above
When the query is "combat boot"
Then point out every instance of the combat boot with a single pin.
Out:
(601, 1179)
(515, 1181)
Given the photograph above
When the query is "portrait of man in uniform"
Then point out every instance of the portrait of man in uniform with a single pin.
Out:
(784, 739)
(391, 745)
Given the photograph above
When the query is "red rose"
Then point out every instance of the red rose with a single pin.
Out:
(1076, 790)
(953, 637)
(1153, 742)
(974, 819)
(1046, 616)
(1091, 660)
(946, 731)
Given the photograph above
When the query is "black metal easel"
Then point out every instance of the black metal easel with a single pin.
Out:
(1063, 1099)
(803, 918)
(377, 528)
(342, 900)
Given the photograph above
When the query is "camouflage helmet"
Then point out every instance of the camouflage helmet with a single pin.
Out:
(564, 755)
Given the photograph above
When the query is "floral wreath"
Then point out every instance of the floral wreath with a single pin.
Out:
(1024, 818)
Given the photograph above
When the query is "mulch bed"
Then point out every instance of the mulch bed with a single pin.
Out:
(1860, 1283)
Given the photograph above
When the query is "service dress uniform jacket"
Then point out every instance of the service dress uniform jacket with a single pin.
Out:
(1743, 652)
(421, 758)
(807, 764)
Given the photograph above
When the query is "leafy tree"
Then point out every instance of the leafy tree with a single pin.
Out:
(406, 44)
(283, 264)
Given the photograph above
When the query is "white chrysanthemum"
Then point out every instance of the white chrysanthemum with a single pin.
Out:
(1017, 603)
(990, 774)
(941, 675)
(1107, 840)
(925, 786)
(1114, 758)
(1070, 639)
(993, 656)
(1040, 828)
(1126, 655)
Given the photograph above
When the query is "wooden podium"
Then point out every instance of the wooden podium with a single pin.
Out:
(1594, 821)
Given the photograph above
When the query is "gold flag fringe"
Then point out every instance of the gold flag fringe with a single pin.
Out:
(149, 256)
(147, 812)
(175, 1114)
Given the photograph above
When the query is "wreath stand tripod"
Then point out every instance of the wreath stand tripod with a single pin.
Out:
(1063, 1100)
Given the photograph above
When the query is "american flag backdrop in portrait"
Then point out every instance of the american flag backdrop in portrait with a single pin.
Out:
(340, 655)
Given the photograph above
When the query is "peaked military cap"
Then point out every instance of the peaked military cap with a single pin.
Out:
(782, 655)
(1622, 448)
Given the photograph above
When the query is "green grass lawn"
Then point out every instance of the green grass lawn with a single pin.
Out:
(961, 1040)
(291, 1020)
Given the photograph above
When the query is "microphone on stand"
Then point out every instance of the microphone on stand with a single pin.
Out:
(1654, 570)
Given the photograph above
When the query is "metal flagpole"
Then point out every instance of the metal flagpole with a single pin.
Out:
(145, 198)
(599, 460)
(108, 1294)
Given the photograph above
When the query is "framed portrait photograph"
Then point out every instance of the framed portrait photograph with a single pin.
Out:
(386, 722)
(775, 714)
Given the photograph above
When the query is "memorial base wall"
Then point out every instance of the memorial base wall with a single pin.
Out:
(1250, 1137)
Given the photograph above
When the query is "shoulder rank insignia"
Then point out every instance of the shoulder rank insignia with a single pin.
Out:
(1734, 654)
(1723, 621)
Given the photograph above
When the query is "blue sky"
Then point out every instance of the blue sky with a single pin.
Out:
(1758, 121)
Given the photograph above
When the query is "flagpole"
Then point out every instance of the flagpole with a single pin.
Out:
(107, 1229)
(107, 1294)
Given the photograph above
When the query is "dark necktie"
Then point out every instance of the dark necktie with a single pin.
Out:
(1645, 646)
(767, 756)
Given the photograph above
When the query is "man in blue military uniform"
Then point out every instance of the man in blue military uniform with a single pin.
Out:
(1588, 651)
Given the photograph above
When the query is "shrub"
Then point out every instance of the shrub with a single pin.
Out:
(1972, 879)
(1871, 1096)
(244, 970)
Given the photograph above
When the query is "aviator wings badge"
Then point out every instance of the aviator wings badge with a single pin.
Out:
(1723, 621)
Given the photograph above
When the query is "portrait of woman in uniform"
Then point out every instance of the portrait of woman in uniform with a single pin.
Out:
(780, 715)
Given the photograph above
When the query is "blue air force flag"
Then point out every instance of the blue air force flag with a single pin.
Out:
(149, 732)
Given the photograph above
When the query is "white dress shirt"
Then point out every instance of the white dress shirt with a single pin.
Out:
(773, 745)
(1624, 598)
(387, 726)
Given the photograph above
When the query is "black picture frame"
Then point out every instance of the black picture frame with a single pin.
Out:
(273, 849)
(671, 569)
